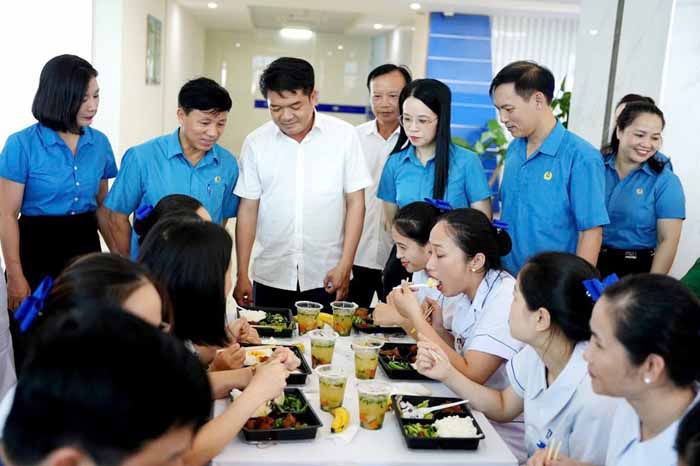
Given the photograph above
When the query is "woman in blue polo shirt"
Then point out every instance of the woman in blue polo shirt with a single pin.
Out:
(425, 163)
(644, 197)
(54, 173)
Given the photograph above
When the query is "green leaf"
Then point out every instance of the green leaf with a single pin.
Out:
(457, 141)
(479, 148)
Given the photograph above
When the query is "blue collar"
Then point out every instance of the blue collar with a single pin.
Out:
(175, 148)
(50, 137)
(610, 162)
(551, 144)
(409, 154)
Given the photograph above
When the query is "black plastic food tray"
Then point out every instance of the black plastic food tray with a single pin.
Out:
(399, 374)
(435, 443)
(371, 328)
(304, 368)
(303, 433)
(270, 332)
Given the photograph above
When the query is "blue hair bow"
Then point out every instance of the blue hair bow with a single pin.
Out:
(500, 225)
(595, 287)
(442, 206)
(143, 211)
(32, 304)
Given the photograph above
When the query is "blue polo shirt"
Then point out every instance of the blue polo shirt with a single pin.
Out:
(637, 202)
(551, 196)
(56, 182)
(158, 167)
(405, 179)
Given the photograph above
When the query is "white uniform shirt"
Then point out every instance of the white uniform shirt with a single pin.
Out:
(301, 188)
(482, 325)
(626, 449)
(6, 406)
(7, 358)
(568, 410)
(375, 243)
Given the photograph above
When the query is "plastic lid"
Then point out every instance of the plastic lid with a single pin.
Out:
(308, 304)
(374, 387)
(331, 371)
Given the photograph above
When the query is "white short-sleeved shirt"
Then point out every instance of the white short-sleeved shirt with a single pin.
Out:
(301, 188)
(482, 325)
(6, 406)
(568, 410)
(449, 305)
(625, 448)
(7, 358)
(375, 244)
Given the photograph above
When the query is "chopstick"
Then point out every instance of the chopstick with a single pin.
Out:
(553, 450)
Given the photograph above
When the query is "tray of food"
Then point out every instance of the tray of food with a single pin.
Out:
(257, 354)
(450, 428)
(287, 417)
(398, 360)
(269, 321)
(362, 322)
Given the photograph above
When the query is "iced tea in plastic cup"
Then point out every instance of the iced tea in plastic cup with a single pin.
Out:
(307, 315)
(331, 384)
(366, 356)
(322, 346)
(373, 396)
(343, 312)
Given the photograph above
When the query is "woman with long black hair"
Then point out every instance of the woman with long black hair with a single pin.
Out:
(425, 163)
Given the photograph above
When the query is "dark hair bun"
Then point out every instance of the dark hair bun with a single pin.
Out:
(504, 242)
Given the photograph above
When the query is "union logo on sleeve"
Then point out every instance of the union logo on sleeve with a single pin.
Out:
(547, 175)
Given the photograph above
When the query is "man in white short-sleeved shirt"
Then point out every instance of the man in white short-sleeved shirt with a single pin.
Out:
(378, 138)
(301, 184)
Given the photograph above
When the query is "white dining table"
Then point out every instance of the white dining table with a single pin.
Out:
(385, 447)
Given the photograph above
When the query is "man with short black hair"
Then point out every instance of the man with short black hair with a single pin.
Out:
(378, 138)
(302, 185)
(188, 161)
(553, 188)
(104, 387)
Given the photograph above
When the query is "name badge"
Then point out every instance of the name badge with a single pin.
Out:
(547, 175)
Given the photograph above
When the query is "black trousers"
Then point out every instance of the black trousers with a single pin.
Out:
(393, 273)
(365, 282)
(624, 262)
(267, 296)
(46, 245)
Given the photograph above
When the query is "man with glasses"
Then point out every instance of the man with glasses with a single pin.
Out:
(378, 138)
(302, 185)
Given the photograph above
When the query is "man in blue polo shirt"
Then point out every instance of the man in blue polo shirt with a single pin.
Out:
(188, 161)
(553, 188)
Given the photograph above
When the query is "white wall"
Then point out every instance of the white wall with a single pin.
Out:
(28, 41)
(681, 88)
(548, 40)
(183, 57)
(340, 74)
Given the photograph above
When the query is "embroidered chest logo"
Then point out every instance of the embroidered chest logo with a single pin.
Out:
(639, 191)
(217, 179)
(547, 175)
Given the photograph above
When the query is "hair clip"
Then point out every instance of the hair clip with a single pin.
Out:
(595, 287)
(500, 225)
(143, 211)
(32, 304)
(442, 206)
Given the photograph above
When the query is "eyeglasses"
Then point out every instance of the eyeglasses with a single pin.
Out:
(406, 121)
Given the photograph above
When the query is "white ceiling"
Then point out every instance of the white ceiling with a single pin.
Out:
(354, 17)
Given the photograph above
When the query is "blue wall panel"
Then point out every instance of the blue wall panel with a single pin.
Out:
(459, 54)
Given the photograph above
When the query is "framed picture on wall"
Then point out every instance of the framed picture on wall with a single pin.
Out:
(154, 28)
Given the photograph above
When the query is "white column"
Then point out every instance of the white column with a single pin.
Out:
(638, 67)
(680, 92)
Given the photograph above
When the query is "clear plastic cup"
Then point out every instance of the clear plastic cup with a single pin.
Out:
(343, 312)
(366, 356)
(331, 385)
(307, 315)
(373, 397)
(322, 346)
